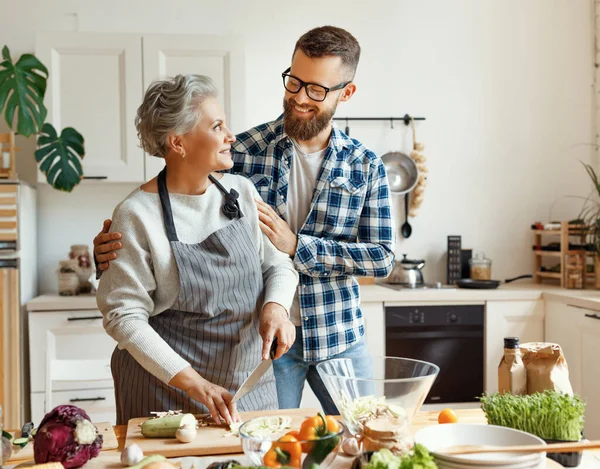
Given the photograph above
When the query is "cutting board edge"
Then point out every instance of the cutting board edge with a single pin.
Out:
(134, 435)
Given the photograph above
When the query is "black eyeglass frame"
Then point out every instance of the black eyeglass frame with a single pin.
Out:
(305, 86)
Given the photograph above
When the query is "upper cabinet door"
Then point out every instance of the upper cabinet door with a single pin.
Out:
(220, 58)
(95, 86)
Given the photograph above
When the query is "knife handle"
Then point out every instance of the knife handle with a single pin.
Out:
(273, 350)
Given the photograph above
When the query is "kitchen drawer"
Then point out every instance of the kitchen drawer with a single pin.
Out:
(98, 403)
(77, 335)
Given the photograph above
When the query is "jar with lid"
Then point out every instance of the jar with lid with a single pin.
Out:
(68, 278)
(81, 254)
(481, 267)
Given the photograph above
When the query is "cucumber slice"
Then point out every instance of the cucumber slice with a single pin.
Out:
(7, 435)
(21, 441)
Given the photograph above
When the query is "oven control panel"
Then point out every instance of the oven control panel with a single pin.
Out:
(438, 315)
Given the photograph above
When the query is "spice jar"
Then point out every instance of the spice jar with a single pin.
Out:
(481, 267)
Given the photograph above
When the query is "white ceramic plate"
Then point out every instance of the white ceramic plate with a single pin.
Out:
(439, 437)
(528, 465)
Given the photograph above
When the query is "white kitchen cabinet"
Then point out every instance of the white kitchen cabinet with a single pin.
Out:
(577, 331)
(98, 403)
(220, 58)
(95, 85)
(71, 335)
(561, 329)
(522, 319)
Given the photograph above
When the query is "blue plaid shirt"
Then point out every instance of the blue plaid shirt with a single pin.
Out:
(351, 202)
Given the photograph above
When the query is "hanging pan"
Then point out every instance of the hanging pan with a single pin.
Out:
(402, 172)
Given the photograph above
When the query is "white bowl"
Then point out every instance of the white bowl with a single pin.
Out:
(439, 437)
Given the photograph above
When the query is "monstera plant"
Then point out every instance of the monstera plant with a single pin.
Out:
(22, 90)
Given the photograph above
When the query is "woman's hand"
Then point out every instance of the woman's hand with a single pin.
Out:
(274, 322)
(216, 399)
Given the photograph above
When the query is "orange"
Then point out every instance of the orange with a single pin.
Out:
(447, 416)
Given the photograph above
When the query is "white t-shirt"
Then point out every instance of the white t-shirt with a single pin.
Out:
(303, 180)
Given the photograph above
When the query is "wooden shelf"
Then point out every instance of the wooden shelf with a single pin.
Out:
(570, 260)
(549, 275)
(547, 253)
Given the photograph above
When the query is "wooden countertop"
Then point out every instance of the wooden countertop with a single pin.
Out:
(111, 459)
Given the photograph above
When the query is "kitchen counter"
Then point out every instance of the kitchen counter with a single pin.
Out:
(516, 291)
(519, 290)
(111, 458)
(56, 302)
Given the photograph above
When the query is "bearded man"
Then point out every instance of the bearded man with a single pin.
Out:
(325, 202)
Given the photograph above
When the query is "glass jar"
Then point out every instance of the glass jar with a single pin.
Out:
(481, 267)
(82, 254)
(68, 278)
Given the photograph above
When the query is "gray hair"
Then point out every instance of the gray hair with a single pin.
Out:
(171, 105)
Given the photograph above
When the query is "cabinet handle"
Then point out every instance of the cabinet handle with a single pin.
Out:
(95, 177)
(79, 399)
(593, 316)
(84, 318)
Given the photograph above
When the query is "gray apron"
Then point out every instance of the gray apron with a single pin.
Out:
(213, 324)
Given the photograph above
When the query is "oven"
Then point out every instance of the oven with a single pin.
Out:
(450, 336)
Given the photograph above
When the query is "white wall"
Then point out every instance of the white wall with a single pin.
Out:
(506, 87)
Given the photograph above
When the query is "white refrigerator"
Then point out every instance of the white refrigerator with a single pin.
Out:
(18, 284)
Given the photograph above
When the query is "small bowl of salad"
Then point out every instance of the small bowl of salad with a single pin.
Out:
(271, 442)
(378, 397)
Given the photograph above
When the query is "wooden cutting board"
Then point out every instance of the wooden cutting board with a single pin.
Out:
(213, 439)
(109, 441)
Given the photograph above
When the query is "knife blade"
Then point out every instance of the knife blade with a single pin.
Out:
(251, 381)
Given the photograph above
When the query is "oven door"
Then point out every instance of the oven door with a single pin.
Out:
(457, 350)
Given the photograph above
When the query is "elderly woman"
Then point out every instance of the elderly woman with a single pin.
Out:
(198, 293)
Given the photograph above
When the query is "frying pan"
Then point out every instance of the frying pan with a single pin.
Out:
(402, 172)
(486, 284)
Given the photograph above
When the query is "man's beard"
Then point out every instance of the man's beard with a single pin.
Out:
(304, 129)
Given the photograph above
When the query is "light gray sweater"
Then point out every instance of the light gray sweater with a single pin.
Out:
(144, 280)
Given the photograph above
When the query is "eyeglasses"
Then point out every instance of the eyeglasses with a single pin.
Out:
(313, 91)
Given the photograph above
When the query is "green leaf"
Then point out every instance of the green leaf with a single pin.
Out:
(59, 157)
(22, 88)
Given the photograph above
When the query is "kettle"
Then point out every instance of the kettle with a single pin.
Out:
(407, 272)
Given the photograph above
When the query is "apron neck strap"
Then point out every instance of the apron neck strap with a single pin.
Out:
(231, 207)
(165, 202)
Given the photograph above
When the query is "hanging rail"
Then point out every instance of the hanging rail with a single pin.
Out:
(405, 119)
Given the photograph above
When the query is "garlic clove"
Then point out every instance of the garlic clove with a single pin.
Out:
(132, 455)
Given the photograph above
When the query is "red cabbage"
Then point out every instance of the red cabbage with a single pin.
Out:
(57, 441)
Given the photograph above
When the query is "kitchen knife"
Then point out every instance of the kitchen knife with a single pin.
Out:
(251, 381)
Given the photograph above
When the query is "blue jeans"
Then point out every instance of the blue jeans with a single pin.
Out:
(291, 371)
